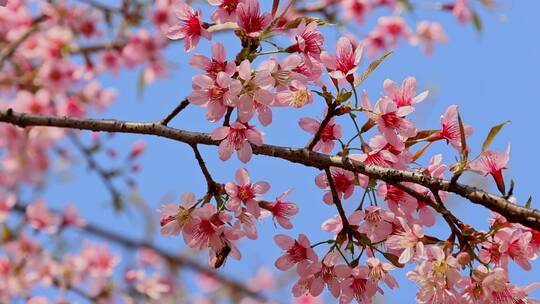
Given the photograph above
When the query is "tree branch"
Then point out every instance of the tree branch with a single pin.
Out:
(513, 212)
(213, 187)
(329, 114)
(336, 199)
(93, 164)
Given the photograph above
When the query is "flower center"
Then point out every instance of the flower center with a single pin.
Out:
(391, 120)
(301, 97)
(245, 193)
(297, 252)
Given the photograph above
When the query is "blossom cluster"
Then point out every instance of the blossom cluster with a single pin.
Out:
(53, 63)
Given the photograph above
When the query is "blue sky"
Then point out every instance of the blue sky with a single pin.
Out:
(492, 76)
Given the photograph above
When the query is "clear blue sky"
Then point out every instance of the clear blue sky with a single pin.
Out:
(493, 76)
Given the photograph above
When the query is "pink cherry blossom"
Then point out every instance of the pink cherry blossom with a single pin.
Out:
(174, 216)
(408, 242)
(297, 96)
(190, 27)
(205, 229)
(309, 41)
(462, 10)
(394, 28)
(243, 191)
(56, 76)
(356, 9)
(377, 223)
(225, 11)
(282, 211)
(239, 137)
(450, 130)
(216, 94)
(256, 95)
(296, 252)
(404, 96)
(343, 182)
(250, 19)
(493, 163)
(35, 103)
(39, 217)
(379, 271)
(6, 203)
(391, 122)
(429, 33)
(346, 60)
(329, 273)
(98, 259)
(71, 217)
(358, 287)
(436, 280)
(218, 63)
(331, 132)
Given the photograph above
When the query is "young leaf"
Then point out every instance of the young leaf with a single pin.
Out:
(477, 22)
(372, 66)
(491, 135)
(463, 139)
(528, 203)
(421, 151)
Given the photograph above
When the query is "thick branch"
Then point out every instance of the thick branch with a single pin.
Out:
(513, 212)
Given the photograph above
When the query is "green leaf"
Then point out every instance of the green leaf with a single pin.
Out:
(491, 135)
(140, 85)
(407, 5)
(420, 136)
(372, 66)
(528, 203)
(477, 22)
(343, 96)
(463, 138)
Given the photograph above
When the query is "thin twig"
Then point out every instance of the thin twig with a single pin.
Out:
(181, 106)
(336, 199)
(329, 114)
(213, 188)
(94, 165)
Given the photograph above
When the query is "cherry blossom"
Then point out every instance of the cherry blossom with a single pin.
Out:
(39, 217)
(216, 94)
(297, 252)
(243, 191)
(491, 162)
(404, 96)
(237, 137)
(250, 19)
(175, 217)
(408, 242)
(282, 211)
(190, 27)
(345, 62)
(330, 133)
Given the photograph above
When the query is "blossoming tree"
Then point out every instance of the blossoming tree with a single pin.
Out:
(380, 172)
